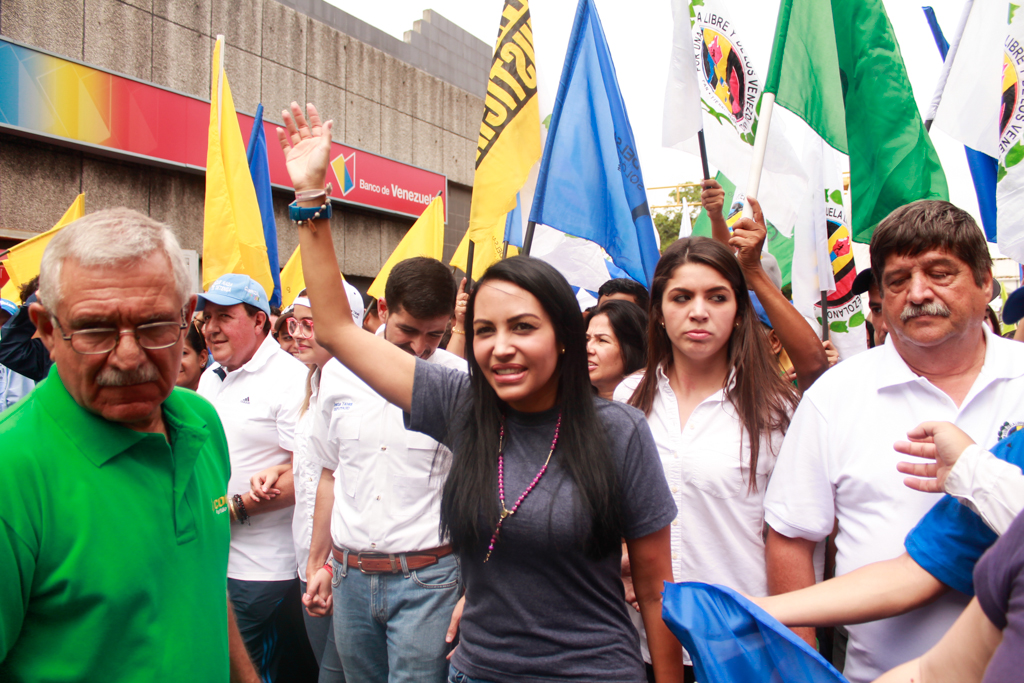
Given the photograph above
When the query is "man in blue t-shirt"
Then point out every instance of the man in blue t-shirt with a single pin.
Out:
(944, 547)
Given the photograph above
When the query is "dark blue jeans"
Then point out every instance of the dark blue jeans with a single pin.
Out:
(456, 676)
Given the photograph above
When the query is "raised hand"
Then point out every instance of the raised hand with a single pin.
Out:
(306, 147)
(748, 238)
(941, 442)
(712, 197)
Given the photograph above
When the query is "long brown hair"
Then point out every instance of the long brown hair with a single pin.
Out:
(763, 400)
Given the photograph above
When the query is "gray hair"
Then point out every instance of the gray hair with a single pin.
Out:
(106, 238)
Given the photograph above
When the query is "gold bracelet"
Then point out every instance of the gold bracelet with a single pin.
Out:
(232, 510)
(455, 331)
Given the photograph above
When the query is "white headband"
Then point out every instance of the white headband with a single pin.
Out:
(301, 301)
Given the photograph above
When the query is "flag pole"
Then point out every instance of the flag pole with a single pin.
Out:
(504, 250)
(824, 316)
(469, 265)
(948, 58)
(528, 238)
(760, 144)
(703, 154)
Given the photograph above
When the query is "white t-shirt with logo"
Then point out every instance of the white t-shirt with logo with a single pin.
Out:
(259, 406)
(838, 461)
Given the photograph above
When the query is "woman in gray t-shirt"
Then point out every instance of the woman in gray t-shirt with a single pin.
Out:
(545, 480)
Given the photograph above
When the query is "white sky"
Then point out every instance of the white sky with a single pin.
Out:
(640, 34)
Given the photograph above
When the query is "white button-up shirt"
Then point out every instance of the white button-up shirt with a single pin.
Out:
(717, 535)
(259, 406)
(306, 469)
(838, 461)
(387, 492)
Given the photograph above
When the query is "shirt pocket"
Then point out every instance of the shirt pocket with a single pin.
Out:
(343, 435)
(718, 474)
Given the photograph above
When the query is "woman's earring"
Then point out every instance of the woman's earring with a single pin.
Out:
(562, 350)
(663, 323)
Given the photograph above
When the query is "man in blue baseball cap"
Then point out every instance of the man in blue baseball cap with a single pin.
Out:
(257, 389)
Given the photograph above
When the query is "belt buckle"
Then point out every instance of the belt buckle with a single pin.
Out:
(359, 564)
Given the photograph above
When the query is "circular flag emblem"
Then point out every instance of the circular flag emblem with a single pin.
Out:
(729, 85)
(1011, 107)
(723, 71)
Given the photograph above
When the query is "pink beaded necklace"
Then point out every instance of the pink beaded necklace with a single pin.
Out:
(501, 482)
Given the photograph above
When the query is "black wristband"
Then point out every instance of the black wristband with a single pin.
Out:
(243, 516)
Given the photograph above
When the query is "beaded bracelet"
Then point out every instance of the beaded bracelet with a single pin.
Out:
(455, 331)
(243, 516)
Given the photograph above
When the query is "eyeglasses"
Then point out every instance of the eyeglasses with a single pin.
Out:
(151, 336)
(305, 326)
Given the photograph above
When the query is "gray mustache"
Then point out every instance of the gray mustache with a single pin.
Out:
(911, 311)
(112, 377)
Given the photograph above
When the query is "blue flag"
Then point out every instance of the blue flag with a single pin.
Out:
(259, 169)
(514, 225)
(983, 167)
(590, 170)
(732, 640)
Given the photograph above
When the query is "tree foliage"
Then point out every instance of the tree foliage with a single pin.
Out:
(667, 221)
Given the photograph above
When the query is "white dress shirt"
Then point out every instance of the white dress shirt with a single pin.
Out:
(832, 466)
(387, 490)
(993, 488)
(258, 405)
(717, 536)
(306, 469)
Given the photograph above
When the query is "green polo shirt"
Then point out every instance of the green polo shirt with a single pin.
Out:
(113, 544)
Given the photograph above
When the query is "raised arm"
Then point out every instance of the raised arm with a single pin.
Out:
(385, 367)
(875, 591)
(797, 337)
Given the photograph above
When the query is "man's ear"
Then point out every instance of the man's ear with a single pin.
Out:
(191, 307)
(382, 310)
(44, 325)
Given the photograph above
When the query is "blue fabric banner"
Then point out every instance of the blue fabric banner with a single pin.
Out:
(732, 640)
(983, 167)
(259, 169)
(590, 171)
(514, 225)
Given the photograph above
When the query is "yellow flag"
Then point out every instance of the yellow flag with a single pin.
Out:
(509, 142)
(485, 254)
(292, 281)
(425, 238)
(233, 239)
(23, 259)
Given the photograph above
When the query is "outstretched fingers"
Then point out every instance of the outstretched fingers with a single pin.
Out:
(918, 449)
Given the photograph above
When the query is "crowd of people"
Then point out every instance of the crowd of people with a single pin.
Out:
(479, 482)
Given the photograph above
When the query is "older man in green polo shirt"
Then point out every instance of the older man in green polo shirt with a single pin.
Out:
(114, 528)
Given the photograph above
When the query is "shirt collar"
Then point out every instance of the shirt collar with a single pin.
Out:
(264, 353)
(718, 396)
(98, 439)
(1003, 360)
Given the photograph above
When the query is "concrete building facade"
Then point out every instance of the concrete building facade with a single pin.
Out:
(417, 101)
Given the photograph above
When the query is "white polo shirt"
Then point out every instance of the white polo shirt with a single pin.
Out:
(837, 461)
(387, 494)
(259, 406)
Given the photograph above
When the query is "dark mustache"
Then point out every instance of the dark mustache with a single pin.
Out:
(112, 377)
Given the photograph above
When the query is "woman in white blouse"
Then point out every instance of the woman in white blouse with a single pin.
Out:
(716, 404)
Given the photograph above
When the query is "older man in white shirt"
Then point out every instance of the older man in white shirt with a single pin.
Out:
(395, 580)
(933, 268)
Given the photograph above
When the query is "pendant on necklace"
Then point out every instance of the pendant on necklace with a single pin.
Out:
(505, 513)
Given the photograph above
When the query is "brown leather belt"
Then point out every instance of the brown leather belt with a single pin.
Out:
(391, 563)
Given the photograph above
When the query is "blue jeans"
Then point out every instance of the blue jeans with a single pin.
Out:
(320, 631)
(456, 676)
(390, 628)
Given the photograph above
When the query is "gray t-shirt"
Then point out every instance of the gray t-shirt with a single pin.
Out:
(539, 610)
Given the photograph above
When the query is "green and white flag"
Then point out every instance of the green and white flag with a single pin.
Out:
(1010, 175)
(714, 84)
(837, 65)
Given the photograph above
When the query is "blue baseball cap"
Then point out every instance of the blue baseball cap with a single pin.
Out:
(9, 306)
(762, 315)
(233, 288)
(1013, 307)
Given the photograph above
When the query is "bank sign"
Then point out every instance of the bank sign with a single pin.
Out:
(46, 97)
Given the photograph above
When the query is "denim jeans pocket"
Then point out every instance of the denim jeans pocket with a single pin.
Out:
(441, 576)
(336, 574)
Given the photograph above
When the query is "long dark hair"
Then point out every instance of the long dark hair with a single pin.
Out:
(763, 400)
(470, 493)
(629, 323)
